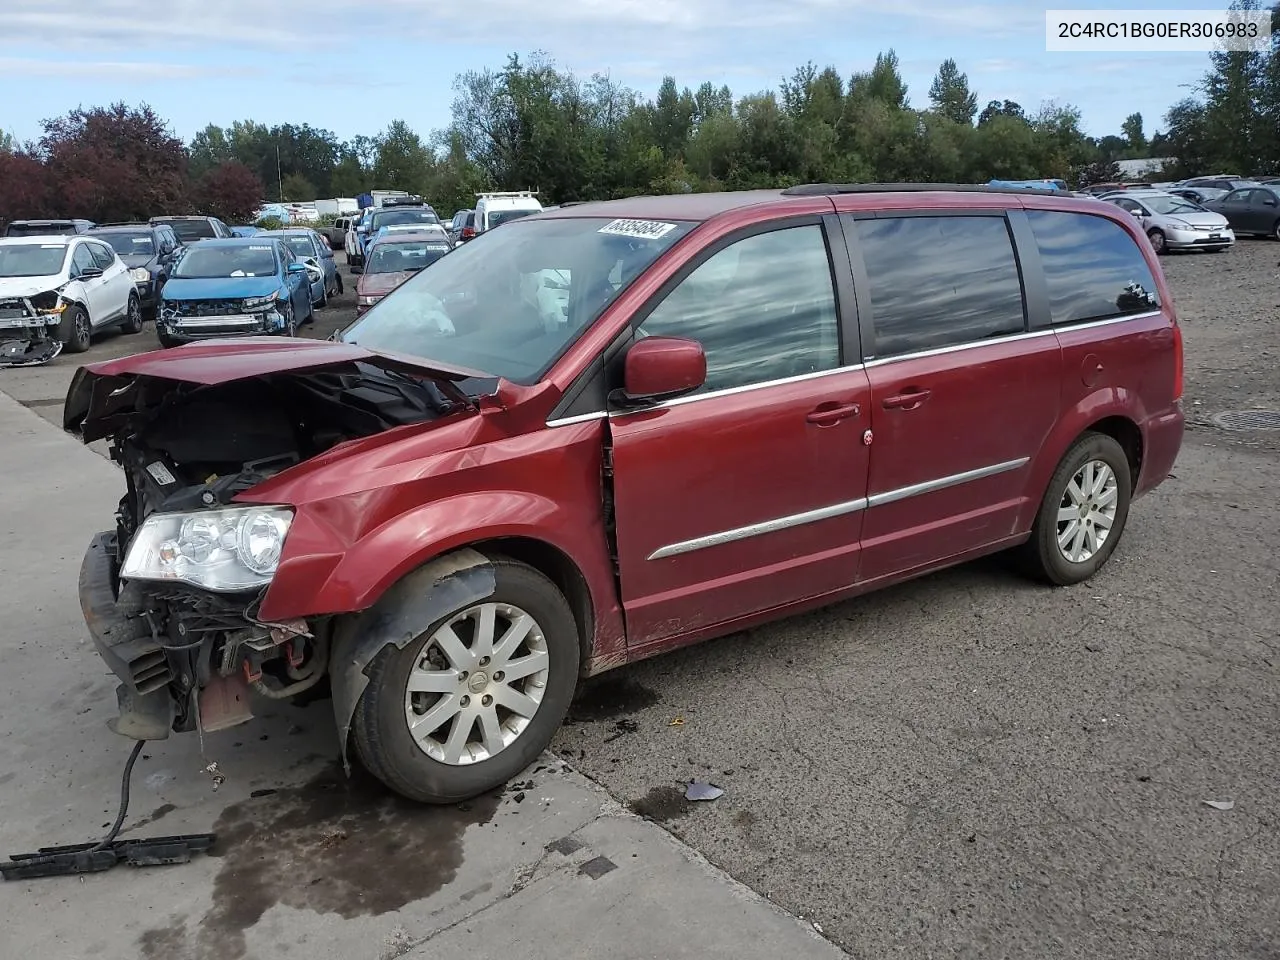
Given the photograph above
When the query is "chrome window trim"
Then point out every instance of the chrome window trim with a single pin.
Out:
(758, 529)
(835, 510)
(939, 351)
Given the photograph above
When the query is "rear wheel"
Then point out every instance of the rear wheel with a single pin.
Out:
(74, 330)
(1157, 240)
(1083, 514)
(1275, 231)
(476, 697)
(133, 315)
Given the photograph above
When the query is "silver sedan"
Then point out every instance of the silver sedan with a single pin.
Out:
(1175, 223)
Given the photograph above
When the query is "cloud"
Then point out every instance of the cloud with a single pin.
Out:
(115, 71)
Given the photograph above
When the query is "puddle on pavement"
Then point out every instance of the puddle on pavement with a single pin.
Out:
(334, 845)
(662, 804)
(610, 697)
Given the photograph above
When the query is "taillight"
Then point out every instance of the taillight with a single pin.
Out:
(1177, 361)
(468, 233)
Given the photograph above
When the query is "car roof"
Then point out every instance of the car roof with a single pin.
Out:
(180, 216)
(114, 227)
(401, 236)
(64, 239)
(257, 239)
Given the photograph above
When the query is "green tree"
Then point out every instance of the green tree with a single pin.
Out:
(1136, 139)
(1000, 108)
(296, 187)
(951, 96)
(402, 161)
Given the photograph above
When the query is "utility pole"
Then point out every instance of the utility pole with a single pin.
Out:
(279, 176)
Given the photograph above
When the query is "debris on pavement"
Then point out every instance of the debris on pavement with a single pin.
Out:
(677, 722)
(215, 774)
(702, 791)
(1221, 804)
(621, 728)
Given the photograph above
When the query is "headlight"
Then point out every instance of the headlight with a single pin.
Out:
(260, 303)
(140, 275)
(364, 301)
(227, 550)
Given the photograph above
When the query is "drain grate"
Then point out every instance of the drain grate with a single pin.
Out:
(1249, 420)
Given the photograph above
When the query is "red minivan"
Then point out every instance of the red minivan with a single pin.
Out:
(613, 429)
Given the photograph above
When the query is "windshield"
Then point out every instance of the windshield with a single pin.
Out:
(247, 260)
(510, 306)
(1172, 205)
(300, 245)
(385, 218)
(31, 259)
(399, 256)
(138, 242)
(496, 217)
(39, 229)
(192, 229)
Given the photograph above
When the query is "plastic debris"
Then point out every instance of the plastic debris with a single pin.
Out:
(1221, 804)
(677, 722)
(702, 791)
(215, 774)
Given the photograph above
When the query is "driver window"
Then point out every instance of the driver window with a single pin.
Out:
(763, 308)
(83, 260)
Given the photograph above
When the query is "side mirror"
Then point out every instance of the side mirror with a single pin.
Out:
(88, 273)
(297, 268)
(658, 368)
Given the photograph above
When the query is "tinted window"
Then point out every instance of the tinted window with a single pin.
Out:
(193, 229)
(102, 254)
(939, 281)
(762, 308)
(1093, 268)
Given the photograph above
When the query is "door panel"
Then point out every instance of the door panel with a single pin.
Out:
(748, 494)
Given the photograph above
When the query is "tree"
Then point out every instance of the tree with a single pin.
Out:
(1101, 171)
(1000, 108)
(950, 94)
(402, 162)
(231, 192)
(296, 187)
(24, 187)
(114, 163)
(1132, 130)
(7, 144)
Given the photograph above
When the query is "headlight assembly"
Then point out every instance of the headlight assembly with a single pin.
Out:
(225, 551)
(254, 304)
(140, 275)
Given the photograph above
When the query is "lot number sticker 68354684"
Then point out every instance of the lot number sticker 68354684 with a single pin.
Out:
(639, 229)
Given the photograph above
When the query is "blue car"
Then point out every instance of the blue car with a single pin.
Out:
(245, 231)
(237, 287)
(313, 250)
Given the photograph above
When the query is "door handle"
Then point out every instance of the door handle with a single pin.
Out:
(907, 400)
(826, 415)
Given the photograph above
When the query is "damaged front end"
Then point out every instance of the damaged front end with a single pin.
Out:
(171, 595)
(30, 329)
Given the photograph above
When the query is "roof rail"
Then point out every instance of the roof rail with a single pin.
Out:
(832, 189)
(510, 193)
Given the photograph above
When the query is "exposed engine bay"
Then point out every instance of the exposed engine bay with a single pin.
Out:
(30, 329)
(180, 627)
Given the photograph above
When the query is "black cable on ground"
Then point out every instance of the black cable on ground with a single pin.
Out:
(115, 827)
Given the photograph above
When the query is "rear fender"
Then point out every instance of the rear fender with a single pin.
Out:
(401, 614)
(1099, 405)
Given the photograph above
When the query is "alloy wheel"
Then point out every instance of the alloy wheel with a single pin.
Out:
(477, 684)
(1087, 511)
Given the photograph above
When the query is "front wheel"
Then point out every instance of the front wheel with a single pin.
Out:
(290, 326)
(1083, 513)
(476, 697)
(1157, 240)
(74, 330)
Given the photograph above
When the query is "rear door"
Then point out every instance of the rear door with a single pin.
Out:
(1235, 207)
(749, 493)
(1264, 211)
(962, 395)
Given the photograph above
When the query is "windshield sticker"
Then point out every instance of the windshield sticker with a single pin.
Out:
(261, 247)
(141, 240)
(640, 229)
(52, 246)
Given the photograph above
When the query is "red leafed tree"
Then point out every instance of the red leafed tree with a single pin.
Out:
(114, 163)
(24, 187)
(231, 192)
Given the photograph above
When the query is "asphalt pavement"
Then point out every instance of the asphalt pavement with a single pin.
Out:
(963, 766)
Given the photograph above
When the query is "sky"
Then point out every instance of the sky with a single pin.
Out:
(352, 67)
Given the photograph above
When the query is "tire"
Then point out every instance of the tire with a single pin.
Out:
(1041, 557)
(167, 341)
(74, 330)
(133, 315)
(338, 281)
(290, 327)
(324, 297)
(380, 727)
(1275, 231)
(1157, 240)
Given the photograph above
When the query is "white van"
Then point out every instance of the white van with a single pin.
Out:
(495, 208)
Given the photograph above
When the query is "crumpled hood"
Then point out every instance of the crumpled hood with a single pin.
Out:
(219, 288)
(374, 284)
(27, 286)
(102, 395)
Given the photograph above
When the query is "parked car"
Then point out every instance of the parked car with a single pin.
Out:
(1223, 181)
(149, 252)
(245, 230)
(194, 229)
(1251, 210)
(758, 403)
(234, 287)
(436, 229)
(352, 242)
(46, 228)
(1200, 195)
(395, 210)
(336, 232)
(314, 251)
(463, 226)
(56, 292)
(393, 259)
(1173, 223)
(493, 209)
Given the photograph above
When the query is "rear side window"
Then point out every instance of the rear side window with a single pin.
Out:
(1093, 268)
(939, 282)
